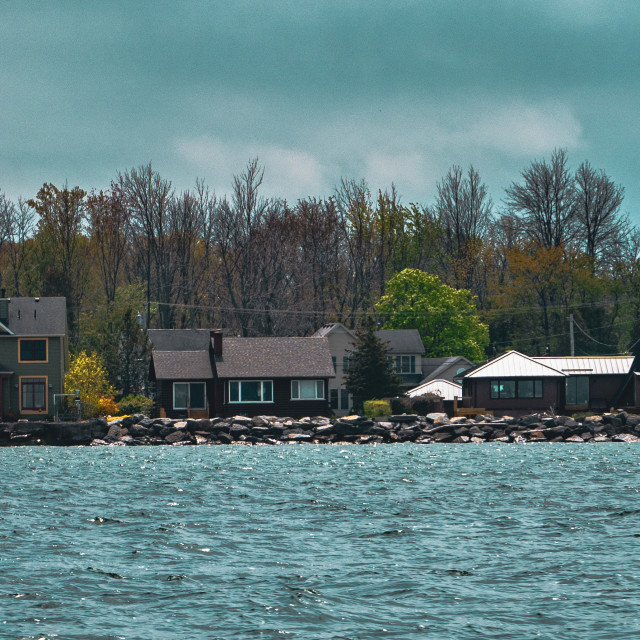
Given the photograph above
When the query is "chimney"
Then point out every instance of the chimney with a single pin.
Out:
(216, 341)
(4, 310)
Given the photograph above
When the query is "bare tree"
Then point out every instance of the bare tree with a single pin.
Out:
(544, 201)
(463, 207)
(108, 228)
(597, 206)
(148, 196)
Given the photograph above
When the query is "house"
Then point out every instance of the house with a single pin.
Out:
(33, 355)
(405, 349)
(513, 383)
(202, 373)
(448, 368)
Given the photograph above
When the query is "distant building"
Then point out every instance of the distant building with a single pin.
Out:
(405, 350)
(201, 373)
(33, 355)
(513, 383)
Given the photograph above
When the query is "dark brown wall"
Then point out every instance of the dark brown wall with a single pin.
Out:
(602, 391)
(164, 398)
(480, 392)
(282, 404)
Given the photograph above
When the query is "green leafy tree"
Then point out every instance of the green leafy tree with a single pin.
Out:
(88, 375)
(370, 375)
(446, 318)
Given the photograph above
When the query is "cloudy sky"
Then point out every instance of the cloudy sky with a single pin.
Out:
(392, 91)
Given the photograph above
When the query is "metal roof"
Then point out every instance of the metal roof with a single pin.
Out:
(445, 389)
(590, 365)
(515, 365)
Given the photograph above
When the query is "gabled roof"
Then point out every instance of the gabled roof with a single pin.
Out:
(180, 339)
(330, 328)
(444, 388)
(514, 365)
(590, 365)
(402, 340)
(275, 358)
(37, 316)
(182, 365)
(434, 368)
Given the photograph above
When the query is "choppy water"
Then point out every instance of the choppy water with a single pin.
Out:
(399, 541)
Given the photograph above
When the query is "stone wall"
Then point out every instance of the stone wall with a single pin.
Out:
(269, 430)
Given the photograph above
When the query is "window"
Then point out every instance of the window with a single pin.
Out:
(577, 390)
(250, 390)
(405, 364)
(516, 389)
(32, 350)
(33, 394)
(346, 361)
(333, 395)
(189, 395)
(334, 361)
(307, 389)
(344, 399)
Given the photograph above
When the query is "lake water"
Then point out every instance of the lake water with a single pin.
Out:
(316, 542)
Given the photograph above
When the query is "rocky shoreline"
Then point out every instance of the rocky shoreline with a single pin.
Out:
(269, 430)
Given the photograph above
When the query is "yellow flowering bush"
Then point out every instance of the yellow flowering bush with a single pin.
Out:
(88, 375)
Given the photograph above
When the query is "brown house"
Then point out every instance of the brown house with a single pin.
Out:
(514, 383)
(200, 373)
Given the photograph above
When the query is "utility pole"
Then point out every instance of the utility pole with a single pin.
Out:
(573, 346)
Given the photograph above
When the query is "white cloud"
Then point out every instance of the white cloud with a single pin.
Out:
(523, 129)
(289, 172)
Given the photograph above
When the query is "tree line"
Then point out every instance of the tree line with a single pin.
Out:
(142, 253)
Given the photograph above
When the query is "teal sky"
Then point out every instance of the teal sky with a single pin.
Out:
(391, 91)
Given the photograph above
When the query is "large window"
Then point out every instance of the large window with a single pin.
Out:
(250, 390)
(31, 350)
(405, 364)
(516, 388)
(33, 394)
(578, 390)
(307, 389)
(189, 395)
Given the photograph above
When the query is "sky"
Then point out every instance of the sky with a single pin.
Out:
(393, 92)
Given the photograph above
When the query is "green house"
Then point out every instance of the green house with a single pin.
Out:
(33, 355)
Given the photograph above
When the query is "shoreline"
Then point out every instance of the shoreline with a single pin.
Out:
(434, 428)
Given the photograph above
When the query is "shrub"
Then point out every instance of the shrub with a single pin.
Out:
(88, 375)
(107, 406)
(427, 403)
(135, 404)
(376, 408)
(401, 405)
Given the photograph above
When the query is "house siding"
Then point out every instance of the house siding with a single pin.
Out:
(53, 370)
(479, 390)
(282, 404)
(164, 397)
(602, 391)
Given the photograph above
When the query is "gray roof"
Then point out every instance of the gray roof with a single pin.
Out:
(37, 316)
(182, 365)
(402, 340)
(275, 358)
(180, 339)
(434, 368)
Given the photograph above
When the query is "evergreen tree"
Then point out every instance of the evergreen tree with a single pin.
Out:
(371, 375)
